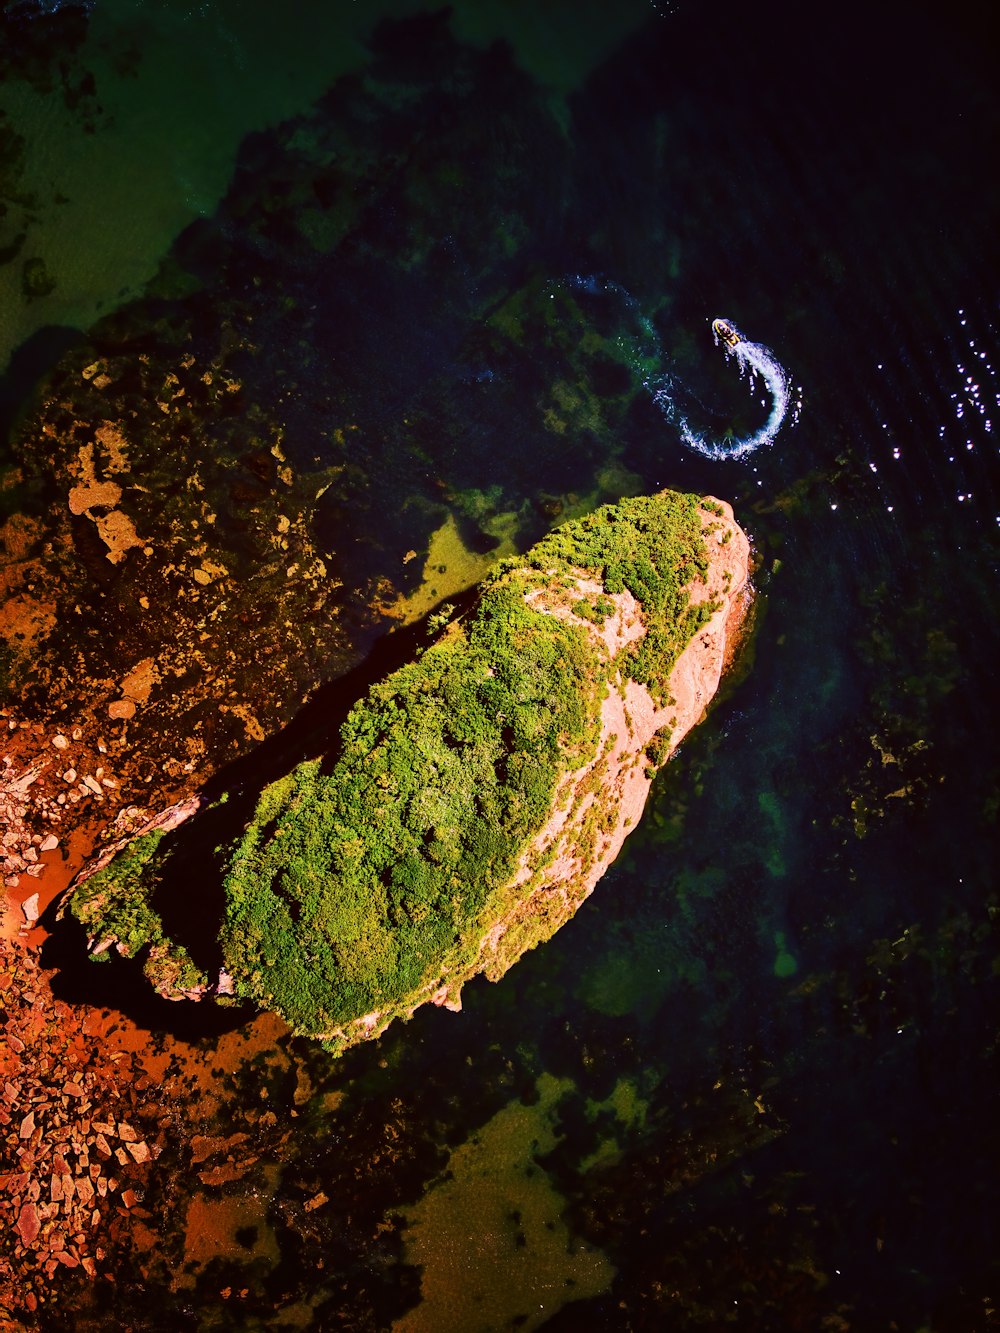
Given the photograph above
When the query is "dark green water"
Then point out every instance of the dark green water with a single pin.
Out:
(754, 1082)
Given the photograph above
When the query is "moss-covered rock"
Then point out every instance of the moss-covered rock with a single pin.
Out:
(478, 792)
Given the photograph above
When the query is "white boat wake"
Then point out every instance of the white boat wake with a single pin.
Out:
(754, 359)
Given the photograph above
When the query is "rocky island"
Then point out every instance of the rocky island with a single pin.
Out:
(478, 793)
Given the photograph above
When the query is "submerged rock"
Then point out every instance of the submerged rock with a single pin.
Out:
(479, 792)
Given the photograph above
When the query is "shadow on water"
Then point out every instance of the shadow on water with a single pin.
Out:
(189, 897)
(118, 984)
(32, 360)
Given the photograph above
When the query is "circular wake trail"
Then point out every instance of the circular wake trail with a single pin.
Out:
(753, 359)
(642, 349)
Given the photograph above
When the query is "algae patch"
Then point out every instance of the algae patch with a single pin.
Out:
(490, 1234)
(451, 567)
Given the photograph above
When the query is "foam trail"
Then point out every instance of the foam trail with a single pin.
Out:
(755, 359)
(643, 351)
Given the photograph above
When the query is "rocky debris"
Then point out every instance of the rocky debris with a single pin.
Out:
(75, 1151)
(41, 791)
(18, 842)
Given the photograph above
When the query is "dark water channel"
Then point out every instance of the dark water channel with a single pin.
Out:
(754, 1082)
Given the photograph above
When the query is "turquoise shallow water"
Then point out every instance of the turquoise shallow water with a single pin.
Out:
(754, 1081)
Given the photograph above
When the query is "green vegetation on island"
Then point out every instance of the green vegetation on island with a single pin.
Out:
(355, 885)
(116, 904)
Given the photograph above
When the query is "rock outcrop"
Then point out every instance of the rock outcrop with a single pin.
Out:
(478, 794)
(600, 802)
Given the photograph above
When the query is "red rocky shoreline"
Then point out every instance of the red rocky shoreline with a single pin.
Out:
(77, 1133)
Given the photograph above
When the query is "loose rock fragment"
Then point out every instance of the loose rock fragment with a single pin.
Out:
(28, 1223)
(50, 1201)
